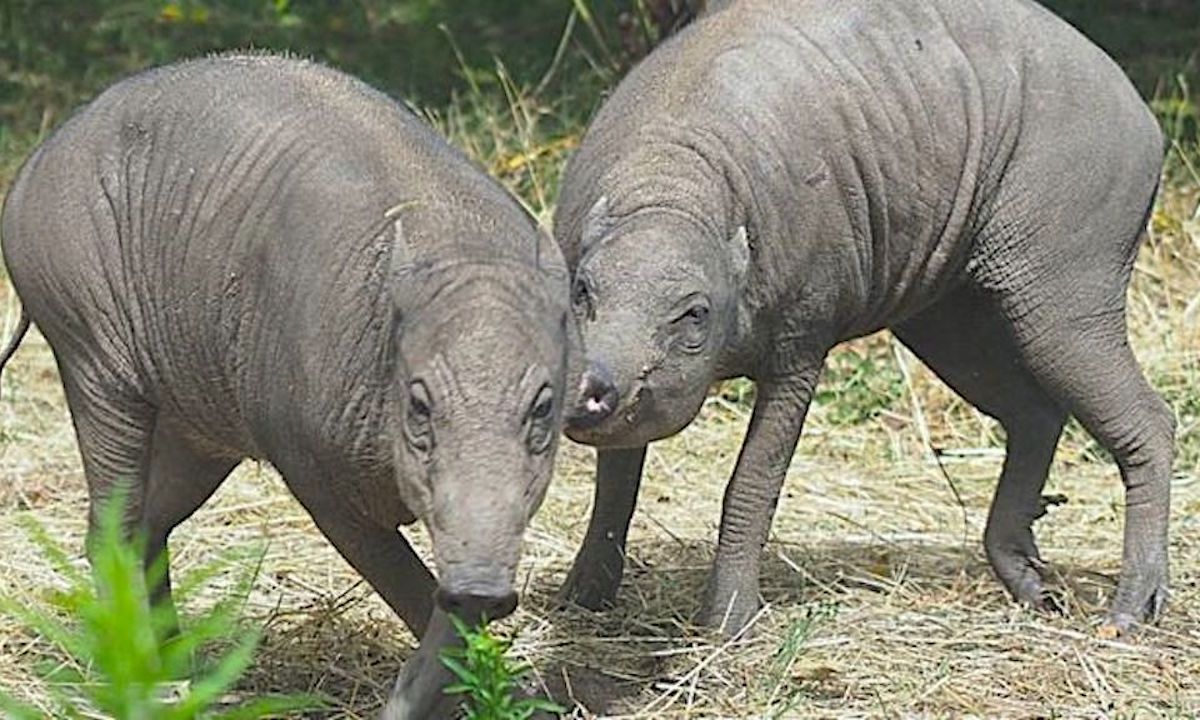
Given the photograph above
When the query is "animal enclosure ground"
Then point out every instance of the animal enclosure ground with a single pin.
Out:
(879, 600)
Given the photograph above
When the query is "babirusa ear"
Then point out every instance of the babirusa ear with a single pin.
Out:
(549, 257)
(403, 260)
(739, 249)
(596, 224)
(401, 252)
(398, 265)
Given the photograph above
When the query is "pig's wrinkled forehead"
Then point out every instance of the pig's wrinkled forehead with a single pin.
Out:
(646, 253)
(519, 287)
(498, 315)
(484, 355)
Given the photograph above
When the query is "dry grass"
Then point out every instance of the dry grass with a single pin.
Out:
(879, 602)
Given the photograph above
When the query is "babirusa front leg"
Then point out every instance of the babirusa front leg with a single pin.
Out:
(596, 573)
(731, 596)
(418, 692)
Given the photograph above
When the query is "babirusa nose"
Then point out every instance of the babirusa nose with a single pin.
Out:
(471, 607)
(597, 396)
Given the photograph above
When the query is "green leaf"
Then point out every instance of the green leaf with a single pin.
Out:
(469, 678)
(48, 627)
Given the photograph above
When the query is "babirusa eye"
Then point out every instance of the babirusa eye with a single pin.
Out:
(541, 426)
(698, 314)
(692, 325)
(543, 408)
(418, 421)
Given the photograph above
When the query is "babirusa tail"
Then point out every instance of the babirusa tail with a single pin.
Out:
(15, 342)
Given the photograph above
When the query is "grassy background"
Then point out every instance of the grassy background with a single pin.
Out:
(880, 603)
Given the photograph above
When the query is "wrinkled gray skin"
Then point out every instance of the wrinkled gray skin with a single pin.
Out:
(787, 174)
(251, 256)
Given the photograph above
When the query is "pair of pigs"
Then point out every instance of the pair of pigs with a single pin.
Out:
(252, 256)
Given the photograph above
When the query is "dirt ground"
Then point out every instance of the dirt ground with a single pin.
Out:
(879, 602)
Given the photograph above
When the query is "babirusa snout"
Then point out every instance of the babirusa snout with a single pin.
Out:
(597, 397)
(491, 604)
(482, 505)
(476, 571)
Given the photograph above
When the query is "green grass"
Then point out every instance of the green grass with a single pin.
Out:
(781, 692)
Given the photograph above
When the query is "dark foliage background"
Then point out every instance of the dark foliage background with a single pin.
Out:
(56, 53)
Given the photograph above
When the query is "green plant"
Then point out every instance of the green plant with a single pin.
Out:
(488, 679)
(110, 633)
(781, 690)
(858, 384)
(1179, 115)
(738, 391)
